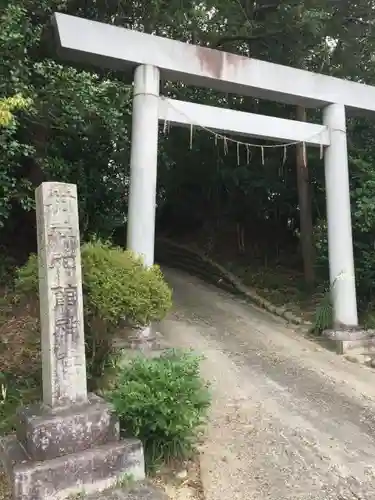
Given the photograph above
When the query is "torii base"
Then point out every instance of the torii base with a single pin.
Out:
(349, 339)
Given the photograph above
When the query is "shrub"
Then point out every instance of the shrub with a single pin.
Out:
(164, 402)
(115, 285)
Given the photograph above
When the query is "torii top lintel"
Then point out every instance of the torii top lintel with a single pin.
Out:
(117, 48)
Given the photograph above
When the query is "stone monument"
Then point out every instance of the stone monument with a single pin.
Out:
(70, 442)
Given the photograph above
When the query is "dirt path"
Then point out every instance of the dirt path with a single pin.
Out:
(290, 420)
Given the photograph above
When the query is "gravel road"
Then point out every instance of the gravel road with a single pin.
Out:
(290, 420)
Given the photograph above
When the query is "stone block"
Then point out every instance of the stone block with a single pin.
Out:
(142, 491)
(48, 433)
(89, 471)
(348, 339)
(138, 338)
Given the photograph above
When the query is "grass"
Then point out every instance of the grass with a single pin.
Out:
(20, 374)
(14, 393)
(5, 493)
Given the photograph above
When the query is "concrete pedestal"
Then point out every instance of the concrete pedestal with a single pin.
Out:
(60, 452)
(142, 491)
(351, 339)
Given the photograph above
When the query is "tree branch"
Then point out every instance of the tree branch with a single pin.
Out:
(244, 38)
(357, 20)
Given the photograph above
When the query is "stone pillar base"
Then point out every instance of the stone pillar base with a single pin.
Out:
(57, 453)
(144, 339)
(347, 339)
(140, 491)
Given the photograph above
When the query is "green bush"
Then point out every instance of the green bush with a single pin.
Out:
(164, 402)
(115, 285)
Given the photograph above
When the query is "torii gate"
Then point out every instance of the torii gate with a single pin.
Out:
(118, 48)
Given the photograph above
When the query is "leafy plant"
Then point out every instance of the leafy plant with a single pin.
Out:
(116, 284)
(164, 402)
(10, 104)
(324, 314)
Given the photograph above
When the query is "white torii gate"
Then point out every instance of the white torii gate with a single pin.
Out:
(118, 48)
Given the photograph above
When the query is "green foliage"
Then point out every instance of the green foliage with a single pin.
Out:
(116, 285)
(26, 282)
(323, 319)
(164, 402)
(75, 131)
(15, 34)
(10, 104)
(13, 393)
(7, 269)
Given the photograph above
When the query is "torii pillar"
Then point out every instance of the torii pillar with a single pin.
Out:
(340, 241)
(143, 163)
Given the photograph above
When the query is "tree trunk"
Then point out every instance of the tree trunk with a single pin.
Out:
(305, 208)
